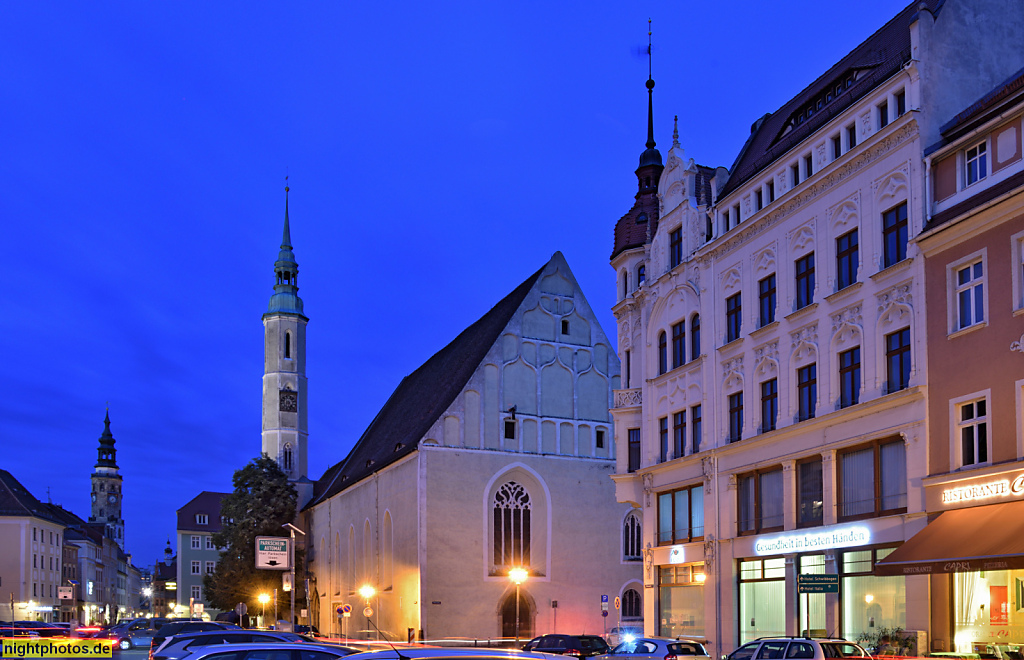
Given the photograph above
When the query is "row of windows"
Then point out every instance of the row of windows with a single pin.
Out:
(40, 535)
(897, 362)
(802, 168)
(676, 447)
(197, 542)
(42, 562)
(894, 240)
(197, 566)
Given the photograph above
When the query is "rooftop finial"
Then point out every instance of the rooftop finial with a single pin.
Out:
(675, 132)
(650, 89)
(286, 240)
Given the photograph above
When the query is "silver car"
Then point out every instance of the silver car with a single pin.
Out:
(177, 647)
(656, 648)
(270, 651)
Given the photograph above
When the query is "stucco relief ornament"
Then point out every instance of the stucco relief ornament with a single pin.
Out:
(709, 554)
(649, 564)
(707, 465)
(648, 483)
(1018, 345)
(899, 294)
(849, 316)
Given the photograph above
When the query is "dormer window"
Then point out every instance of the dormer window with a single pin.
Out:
(641, 219)
(202, 519)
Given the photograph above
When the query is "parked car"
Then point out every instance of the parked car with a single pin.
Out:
(42, 629)
(802, 648)
(438, 653)
(265, 651)
(8, 629)
(620, 634)
(657, 648)
(182, 627)
(180, 646)
(581, 646)
(138, 632)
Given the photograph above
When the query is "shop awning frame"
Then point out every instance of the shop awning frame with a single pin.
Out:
(981, 538)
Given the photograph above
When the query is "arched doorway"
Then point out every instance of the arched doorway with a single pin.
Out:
(508, 618)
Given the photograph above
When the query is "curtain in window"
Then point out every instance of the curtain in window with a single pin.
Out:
(857, 471)
(771, 499)
(697, 511)
(665, 518)
(682, 521)
(746, 496)
(894, 475)
(682, 611)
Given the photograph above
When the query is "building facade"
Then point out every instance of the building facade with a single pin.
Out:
(772, 420)
(197, 555)
(973, 247)
(481, 462)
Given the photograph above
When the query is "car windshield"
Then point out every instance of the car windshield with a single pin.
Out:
(591, 643)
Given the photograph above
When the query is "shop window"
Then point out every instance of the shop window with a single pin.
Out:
(762, 591)
(681, 601)
(810, 488)
(873, 480)
(760, 501)
(681, 515)
(811, 607)
(870, 603)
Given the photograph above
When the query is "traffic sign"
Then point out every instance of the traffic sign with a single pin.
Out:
(820, 583)
(241, 609)
(604, 613)
(604, 598)
(272, 552)
(618, 602)
(346, 608)
(367, 611)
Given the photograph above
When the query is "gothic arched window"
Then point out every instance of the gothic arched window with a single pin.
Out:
(632, 538)
(632, 608)
(512, 526)
(288, 458)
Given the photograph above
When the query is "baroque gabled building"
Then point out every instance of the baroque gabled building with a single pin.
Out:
(772, 419)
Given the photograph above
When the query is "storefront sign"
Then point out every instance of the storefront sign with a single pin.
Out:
(842, 537)
(817, 583)
(984, 491)
(676, 555)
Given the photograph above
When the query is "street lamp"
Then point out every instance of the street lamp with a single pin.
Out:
(518, 576)
(148, 593)
(367, 592)
(264, 599)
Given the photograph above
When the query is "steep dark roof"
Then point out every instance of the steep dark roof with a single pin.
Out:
(205, 502)
(66, 518)
(420, 399)
(875, 60)
(15, 500)
(162, 572)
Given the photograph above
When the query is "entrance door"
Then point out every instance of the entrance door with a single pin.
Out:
(508, 618)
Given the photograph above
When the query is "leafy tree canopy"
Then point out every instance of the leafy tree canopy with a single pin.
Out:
(262, 502)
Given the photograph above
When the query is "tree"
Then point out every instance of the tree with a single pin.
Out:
(262, 502)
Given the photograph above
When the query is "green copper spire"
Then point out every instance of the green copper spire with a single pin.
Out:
(286, 289)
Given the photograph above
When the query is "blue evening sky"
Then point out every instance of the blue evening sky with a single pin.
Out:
(438, 154)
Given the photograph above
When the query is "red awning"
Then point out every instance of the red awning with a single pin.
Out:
(981, 538)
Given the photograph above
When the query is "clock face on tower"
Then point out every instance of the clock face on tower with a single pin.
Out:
(112, 498)
(94, 497)
(289, 401)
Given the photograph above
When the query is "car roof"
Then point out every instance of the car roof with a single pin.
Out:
(265, 646)
(426, 653)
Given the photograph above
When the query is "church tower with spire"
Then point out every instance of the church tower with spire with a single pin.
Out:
(106, 488)
(285, 403)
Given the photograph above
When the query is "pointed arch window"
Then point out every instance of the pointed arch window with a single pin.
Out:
(288, 345)
(632, 606)
(511, 525)
(632, 538)
(288, 458)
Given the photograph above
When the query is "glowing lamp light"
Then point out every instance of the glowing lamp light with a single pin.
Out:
(367, 592)
(517, 575)
(628, 638)
(868, 599)
(699, 577)
(264, 599)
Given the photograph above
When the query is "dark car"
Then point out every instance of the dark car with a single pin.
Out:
(187, 626)
(42, 629)
(581, 646)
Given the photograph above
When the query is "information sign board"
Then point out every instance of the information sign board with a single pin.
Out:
(820, 583)
(272, 553)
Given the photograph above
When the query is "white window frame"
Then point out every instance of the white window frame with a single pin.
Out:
(202, 519)
(197, 593)
(196, 542)
(980, 145)
(209, 543)
(211, 566)
(955, 425)
(953, 289)
(197, 567)
(1017, 277)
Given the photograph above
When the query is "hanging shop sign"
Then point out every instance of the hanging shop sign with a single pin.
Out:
(840, 537)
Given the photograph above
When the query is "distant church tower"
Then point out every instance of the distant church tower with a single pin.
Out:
(106, 488)
(285, 426)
